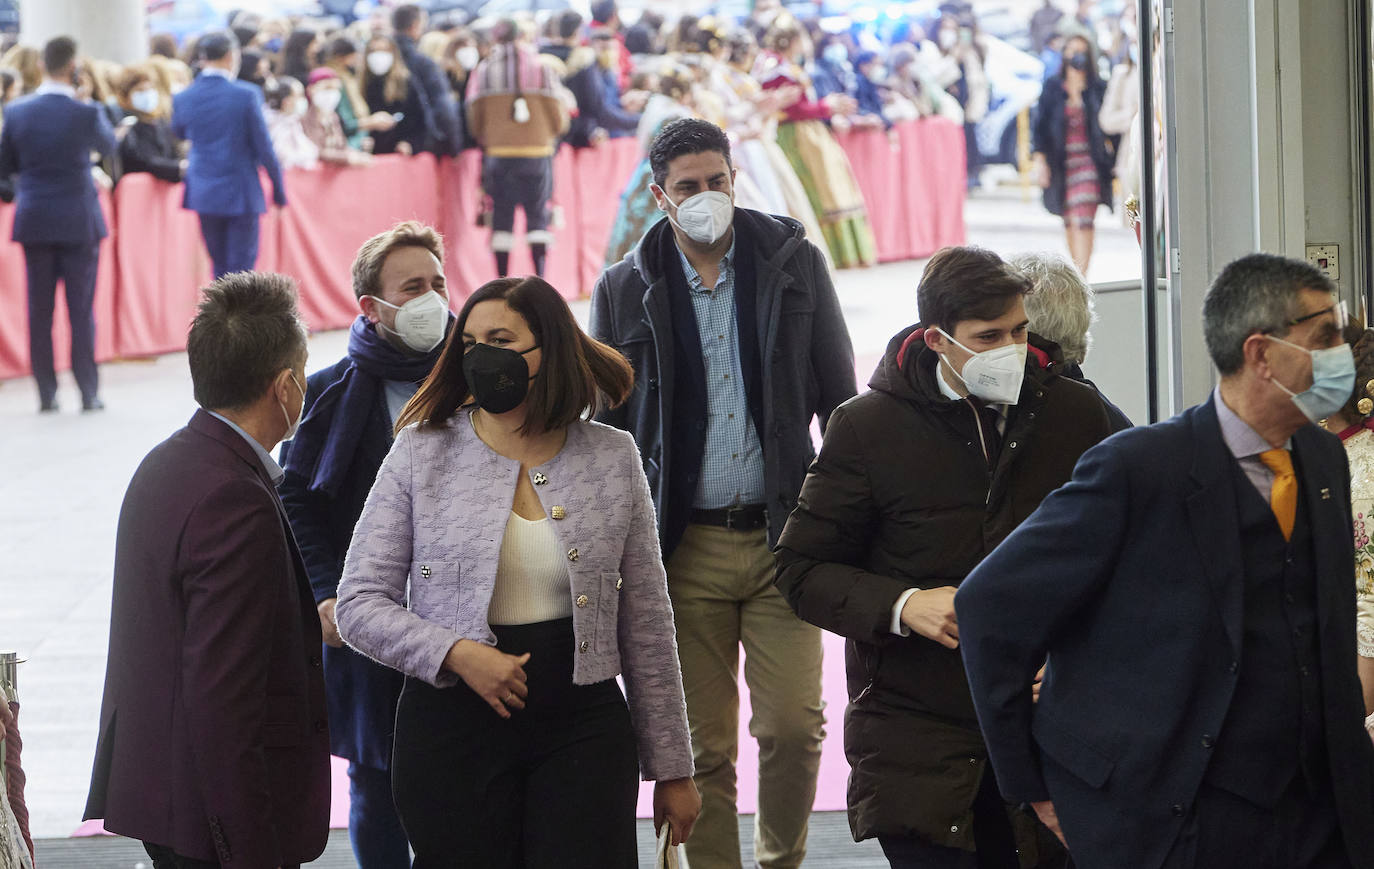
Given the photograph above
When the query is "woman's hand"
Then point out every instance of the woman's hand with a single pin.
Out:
(497, 677)
(378, 122)
(404, 148)
(1040, 171)
(678, 803)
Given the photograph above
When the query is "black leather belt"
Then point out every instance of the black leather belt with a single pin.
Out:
(746, 517)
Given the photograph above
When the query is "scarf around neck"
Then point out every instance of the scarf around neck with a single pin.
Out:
(323, 448)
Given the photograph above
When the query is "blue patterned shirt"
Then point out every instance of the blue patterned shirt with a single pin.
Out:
(732, 464)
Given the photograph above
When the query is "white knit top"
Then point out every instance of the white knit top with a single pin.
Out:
(531, 575)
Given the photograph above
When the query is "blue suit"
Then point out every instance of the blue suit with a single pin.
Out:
(1136, 580)
(46, 142)
(229, 141)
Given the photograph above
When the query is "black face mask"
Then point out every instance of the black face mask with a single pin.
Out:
(499, 379)
(1079, 62)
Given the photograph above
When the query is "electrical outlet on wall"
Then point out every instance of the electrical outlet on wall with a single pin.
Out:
(1327, 259)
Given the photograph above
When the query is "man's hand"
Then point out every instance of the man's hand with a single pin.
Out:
(930, 613)
(499, 678)
(1045, 811)
(328, 626)
(678, 803)
(1035, 686)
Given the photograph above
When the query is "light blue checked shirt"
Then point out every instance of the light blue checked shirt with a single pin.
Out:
(732, 464)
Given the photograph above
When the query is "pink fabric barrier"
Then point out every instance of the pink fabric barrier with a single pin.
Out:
(154, 262)
(162, 264)
(14, 329)
(332, 211)
(915, 189)
(468, 258)
(602, 174)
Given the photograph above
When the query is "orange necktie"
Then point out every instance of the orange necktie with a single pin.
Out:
(1283, 497)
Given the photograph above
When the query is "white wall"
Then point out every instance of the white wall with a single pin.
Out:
(109, 29)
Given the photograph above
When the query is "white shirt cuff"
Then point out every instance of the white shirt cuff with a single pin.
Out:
(897, 627)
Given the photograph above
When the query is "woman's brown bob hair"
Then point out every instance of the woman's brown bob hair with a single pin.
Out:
(578, 376)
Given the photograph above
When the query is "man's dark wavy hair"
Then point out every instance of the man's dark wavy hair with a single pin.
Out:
(685, 136)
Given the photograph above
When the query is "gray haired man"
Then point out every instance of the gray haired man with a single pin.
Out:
(1059, 308)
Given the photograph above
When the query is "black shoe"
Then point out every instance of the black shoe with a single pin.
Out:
(89, 405)
(48, 405)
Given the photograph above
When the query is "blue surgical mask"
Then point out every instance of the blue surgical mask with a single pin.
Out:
(1333, 379)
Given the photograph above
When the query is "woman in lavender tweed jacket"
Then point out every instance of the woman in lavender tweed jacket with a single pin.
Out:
(422, 571)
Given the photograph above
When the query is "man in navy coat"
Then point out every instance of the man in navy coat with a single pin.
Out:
(47, 142)
(331, 464)
(223, 120)
(1191, 593)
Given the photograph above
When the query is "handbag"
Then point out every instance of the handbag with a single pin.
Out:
(667, 856)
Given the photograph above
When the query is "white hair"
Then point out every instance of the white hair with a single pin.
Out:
(1060, 303)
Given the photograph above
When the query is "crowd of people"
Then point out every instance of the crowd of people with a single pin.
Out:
(399, 83)
(1069, 641)
(483, 519)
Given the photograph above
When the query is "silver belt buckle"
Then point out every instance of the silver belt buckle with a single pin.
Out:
(730, 517)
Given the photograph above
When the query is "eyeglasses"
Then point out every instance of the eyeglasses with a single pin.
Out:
(1339, 309)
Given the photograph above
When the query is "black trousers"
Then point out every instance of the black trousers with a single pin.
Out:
(554, 785)
(526, 182)
(992, 835)
(1226, 831)
(166, 858)
(76, 266)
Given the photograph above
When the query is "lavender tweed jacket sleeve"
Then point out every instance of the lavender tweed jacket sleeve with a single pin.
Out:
(421, 569)
(371, 609)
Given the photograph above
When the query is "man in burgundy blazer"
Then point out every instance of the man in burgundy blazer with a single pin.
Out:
(213, 744)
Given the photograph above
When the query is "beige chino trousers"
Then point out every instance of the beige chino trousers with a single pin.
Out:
(721, 585)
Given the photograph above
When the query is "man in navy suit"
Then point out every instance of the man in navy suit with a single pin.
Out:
(47, 142)
(1192, 588)
(214, 746)
(223, 120)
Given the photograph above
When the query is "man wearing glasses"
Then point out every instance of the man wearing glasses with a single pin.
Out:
(1190, 588)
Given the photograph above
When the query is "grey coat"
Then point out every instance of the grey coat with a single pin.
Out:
(436, 517)
(806, 355)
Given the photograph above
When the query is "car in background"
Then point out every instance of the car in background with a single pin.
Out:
(9, 16)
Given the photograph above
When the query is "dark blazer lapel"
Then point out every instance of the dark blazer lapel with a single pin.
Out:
(1212, 514)
(660, 319)
(1324, 489)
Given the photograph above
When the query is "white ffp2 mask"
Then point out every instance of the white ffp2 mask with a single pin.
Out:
(705, 217)
(994, 375)
(420, 323)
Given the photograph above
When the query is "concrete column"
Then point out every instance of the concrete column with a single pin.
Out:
(113, 30)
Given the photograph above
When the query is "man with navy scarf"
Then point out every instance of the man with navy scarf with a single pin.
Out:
(350, 410)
